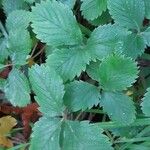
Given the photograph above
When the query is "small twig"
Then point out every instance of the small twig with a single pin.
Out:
(78, 116)
(38, 52)
(34, 49)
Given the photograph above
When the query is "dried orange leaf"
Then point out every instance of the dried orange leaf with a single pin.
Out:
(6, 124)
(5, 142)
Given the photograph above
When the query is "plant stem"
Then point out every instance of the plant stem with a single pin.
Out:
(38, 52)
(113, 125)
(140, 139)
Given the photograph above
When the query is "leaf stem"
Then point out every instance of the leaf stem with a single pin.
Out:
(114, 125)
(139, 139)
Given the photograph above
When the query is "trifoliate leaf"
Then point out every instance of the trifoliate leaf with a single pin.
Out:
(17, 89)
(81, 95)
(117, 72)
(18, 19)
(9, 5)
(146, 36)
(49, 89)
(146, 103)
(119, 107)
(128, 13)
(54, 24)
(147, 8)
(133, 45)
(104, 40)
(19, 45)
(91, 9)
(79, 136)
(46, 134)
(69, 62)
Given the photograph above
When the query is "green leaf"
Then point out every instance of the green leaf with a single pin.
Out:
(119, 107)
(128, 13)
(54, 20)
(93, 71)
(79, 136)
(81, 95)
(49, 89)
(18, 19)
(9, 5)
(2, 84)
(3, 49)
(30, 1)
(105, 18)
(69, 62)
(146, 103)
(147, 8)
(70, 3)
(17, 89)
(94, 6)
(146, 36)
(46, 133)
(104, 40)
(134, 45)
(117, 72)
(19, 45)
(2, 66)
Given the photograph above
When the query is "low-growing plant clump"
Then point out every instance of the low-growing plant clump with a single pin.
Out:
(75, 74)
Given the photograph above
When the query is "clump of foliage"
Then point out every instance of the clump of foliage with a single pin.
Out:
(86, 63)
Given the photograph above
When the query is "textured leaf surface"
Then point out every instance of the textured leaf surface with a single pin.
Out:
(81, 95)
(69, 62)
(93, 70)
(117, 72)
(94, 6)
(19, 45)
(134, 45)
(146, 36)
(128, 13)
(146, 103)
(46, 134)
(79, 136)
(147, 8)
(17, 89)
(105, 18)
(49, 89)
(104, 40)
(119, 107)
(2, 84)
(54, 20)
(18, 19)
(70, 3)
(3, 49)
(9, 5)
